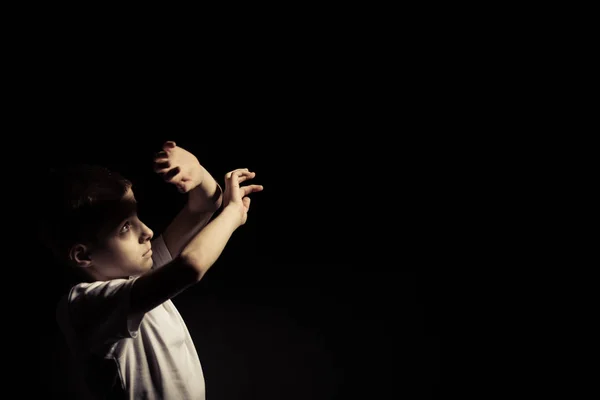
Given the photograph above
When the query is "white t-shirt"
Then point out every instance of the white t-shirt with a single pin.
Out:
(125, 356)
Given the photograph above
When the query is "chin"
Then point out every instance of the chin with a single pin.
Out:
(147, 265)
(143, 268)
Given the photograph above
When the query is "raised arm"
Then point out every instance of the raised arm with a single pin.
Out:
(182, 169)
(200, 253)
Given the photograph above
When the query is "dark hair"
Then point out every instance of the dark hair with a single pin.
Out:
(76, 204)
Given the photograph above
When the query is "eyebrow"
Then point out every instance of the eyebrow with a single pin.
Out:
(119, 213)
(125, 216)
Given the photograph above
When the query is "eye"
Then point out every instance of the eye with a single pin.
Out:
(125, 227)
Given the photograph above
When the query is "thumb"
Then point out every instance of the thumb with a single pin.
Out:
(233, 180)
(246, 202)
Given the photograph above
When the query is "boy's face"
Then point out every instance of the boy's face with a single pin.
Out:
(124, 247)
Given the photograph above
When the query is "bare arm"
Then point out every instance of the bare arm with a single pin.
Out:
(203, 201)
(182, 169)
(199, 254)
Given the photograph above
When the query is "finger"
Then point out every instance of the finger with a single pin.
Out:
(233, 179)
(171, 174)
(161, 166)
(245, 175)
(168, 145)
(246, 203)
(246, 190)
(160, 154)
(160, 159)
(228, 175)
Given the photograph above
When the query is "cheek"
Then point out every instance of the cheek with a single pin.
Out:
(129, 250)
(120, 251)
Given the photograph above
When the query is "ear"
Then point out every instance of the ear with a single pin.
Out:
(80, 256)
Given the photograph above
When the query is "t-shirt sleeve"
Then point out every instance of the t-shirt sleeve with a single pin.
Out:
(99, 313)
(160, 252)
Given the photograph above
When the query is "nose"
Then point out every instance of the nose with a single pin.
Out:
(147, 234)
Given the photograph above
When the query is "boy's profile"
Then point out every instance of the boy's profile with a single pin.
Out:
(125, 335)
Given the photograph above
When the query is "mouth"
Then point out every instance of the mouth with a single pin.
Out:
(147, 253)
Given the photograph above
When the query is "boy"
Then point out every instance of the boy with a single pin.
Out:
(126, 336)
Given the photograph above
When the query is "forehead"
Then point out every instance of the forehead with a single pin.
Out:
(115, 212)
(129, 196)
(126, 207)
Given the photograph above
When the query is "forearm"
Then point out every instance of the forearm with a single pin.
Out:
(203, 201)
(183, 228)
(207, 196)
(207, 245)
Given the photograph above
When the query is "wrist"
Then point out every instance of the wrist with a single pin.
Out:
(232, 214)
(206, 197)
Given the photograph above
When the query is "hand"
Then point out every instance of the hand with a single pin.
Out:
(179, 167)
(236, 196)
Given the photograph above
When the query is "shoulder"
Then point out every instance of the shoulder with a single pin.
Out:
(97, 313)
(96, 299)
(98, 289)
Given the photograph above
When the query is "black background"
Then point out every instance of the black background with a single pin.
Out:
(330, 289)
